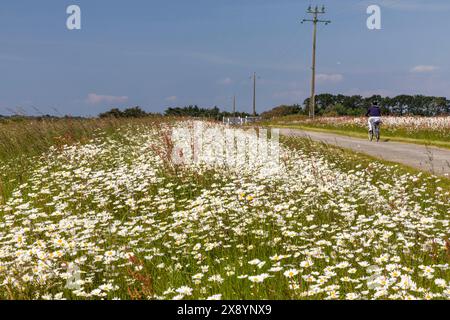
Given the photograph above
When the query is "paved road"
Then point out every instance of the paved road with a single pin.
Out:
(431, 159)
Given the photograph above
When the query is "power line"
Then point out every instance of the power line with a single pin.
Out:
(315, 20)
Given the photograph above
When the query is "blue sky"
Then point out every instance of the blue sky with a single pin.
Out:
(160, 53)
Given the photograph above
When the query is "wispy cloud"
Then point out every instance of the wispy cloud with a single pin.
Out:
(171, 99)
(225, 81)
(94, 99)
(211, 58)
(291, 95)
(335, 77)
(223, 60)
(424, 69)
(11, 58)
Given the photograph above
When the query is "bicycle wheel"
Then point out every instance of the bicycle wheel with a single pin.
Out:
(377, 133)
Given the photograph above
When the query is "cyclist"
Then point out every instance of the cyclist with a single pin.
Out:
(374, 114)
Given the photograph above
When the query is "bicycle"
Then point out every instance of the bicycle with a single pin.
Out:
(375, 132)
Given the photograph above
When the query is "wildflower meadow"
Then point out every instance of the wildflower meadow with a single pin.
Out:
(114, 217)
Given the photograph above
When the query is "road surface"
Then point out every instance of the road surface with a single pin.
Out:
(430, 159)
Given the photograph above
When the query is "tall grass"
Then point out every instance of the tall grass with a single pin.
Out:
(21, 140)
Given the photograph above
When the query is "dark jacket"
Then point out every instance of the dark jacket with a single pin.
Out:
(374, 111)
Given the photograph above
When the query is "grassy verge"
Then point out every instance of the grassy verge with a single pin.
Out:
(361, 134)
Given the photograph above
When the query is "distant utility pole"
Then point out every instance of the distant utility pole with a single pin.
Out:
(254, 94)
(234, 106)
(315, 12)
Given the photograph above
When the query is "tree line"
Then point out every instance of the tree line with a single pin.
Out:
(417, 105)
(197, 112)
(135, 112)
(342, 105)
(326, 104)
(190, 111)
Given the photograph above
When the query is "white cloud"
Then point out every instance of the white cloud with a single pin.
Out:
(424, 69)
(322, 77)
(172, 98)
(226, 81)
(94, 98)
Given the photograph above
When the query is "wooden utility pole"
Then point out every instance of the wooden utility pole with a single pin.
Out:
(254, 94)
(234, 106)
(315, 12)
